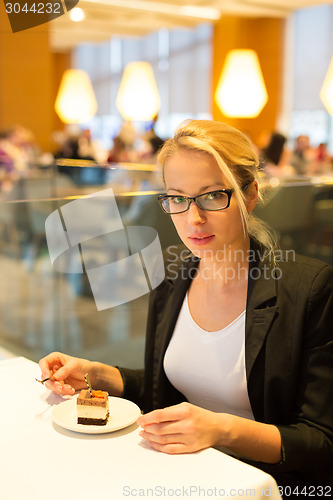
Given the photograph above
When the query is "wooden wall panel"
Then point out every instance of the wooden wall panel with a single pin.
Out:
(28, 81)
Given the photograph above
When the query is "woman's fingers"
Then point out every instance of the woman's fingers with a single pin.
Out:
(167, 430)
(162, 437)
(163, 428)
(59, 367)
(60, 388)
(50, 364)
(171, 449)
(182, 428)
(172, 413)
(63, 372)
(169, 444)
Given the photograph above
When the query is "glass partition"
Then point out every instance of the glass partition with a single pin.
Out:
(45, 308)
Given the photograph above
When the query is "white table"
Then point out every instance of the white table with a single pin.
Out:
(41, 461)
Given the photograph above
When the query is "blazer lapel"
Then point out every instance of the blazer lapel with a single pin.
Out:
(260, 312)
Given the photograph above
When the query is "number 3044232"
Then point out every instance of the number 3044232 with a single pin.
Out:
(36, 8)
(306, 491)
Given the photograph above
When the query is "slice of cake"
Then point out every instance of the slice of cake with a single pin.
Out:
(92, 409)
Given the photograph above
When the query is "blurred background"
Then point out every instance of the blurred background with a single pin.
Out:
(86, 101)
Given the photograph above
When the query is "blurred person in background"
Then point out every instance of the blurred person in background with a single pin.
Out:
(301, 155)
(6, 163)
(118, 153)
(152, 139)
(322, 161)
(19, 147)
(88, 147)
(273, 157)
(272, 153)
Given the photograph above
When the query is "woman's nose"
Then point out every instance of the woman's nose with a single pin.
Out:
(195, 214)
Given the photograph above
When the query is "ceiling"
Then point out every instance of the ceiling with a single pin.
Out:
(107, 18)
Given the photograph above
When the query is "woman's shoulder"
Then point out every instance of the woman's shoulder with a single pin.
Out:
(309, 272)
(288, 259)
(297, 263)
(290, 270)
(291, 259)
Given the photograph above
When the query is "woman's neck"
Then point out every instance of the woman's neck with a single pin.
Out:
(228, 266)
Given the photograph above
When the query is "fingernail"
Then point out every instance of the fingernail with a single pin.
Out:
(69, 388)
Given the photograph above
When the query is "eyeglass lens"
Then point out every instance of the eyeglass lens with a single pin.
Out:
(215, 200)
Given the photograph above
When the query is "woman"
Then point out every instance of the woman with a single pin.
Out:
(239, 343)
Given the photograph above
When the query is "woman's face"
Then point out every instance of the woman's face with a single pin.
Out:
(205, 233)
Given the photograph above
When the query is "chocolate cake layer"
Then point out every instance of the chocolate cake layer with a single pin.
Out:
(92, 421)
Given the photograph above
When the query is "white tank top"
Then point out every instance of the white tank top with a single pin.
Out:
(209, 367)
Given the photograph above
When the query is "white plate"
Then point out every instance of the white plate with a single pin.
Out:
(122, 414)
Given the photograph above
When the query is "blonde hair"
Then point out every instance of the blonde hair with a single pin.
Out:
(236, 157)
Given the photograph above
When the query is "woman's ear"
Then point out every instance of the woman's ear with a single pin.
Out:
(251, 196)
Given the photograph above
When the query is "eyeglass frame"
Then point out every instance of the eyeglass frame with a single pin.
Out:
(190, 199)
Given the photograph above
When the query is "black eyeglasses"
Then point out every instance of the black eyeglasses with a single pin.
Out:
(211, 201)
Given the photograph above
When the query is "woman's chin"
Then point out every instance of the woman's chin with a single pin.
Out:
(203, 253)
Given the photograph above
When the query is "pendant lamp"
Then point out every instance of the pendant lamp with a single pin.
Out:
(76, 101)
(138, 98)
(326, 92)
(241, 90)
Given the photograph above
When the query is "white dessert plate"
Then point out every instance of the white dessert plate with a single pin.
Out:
(122, 414)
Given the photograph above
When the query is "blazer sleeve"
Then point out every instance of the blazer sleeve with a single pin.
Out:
(136, 388)
(133, 384)
(307, 442)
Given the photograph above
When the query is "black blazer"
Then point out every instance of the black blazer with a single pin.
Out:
(288, 355)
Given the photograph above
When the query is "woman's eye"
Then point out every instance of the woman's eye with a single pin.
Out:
(216, 195)
(178, 200)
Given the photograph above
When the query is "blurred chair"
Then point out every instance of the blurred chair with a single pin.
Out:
(41, 195)
(290, 212)
(323, 232)
(145, 211)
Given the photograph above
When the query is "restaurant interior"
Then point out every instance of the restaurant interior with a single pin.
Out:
(188, 58)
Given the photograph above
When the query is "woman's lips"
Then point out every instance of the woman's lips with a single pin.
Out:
(201, 239)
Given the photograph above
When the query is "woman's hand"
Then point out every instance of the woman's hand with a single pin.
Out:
(66, 372)
(183, 428)
(186, 428)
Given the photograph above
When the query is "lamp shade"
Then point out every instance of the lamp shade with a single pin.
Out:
(241, 90)
(138, 98)
(326, 92)
(76, 101)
